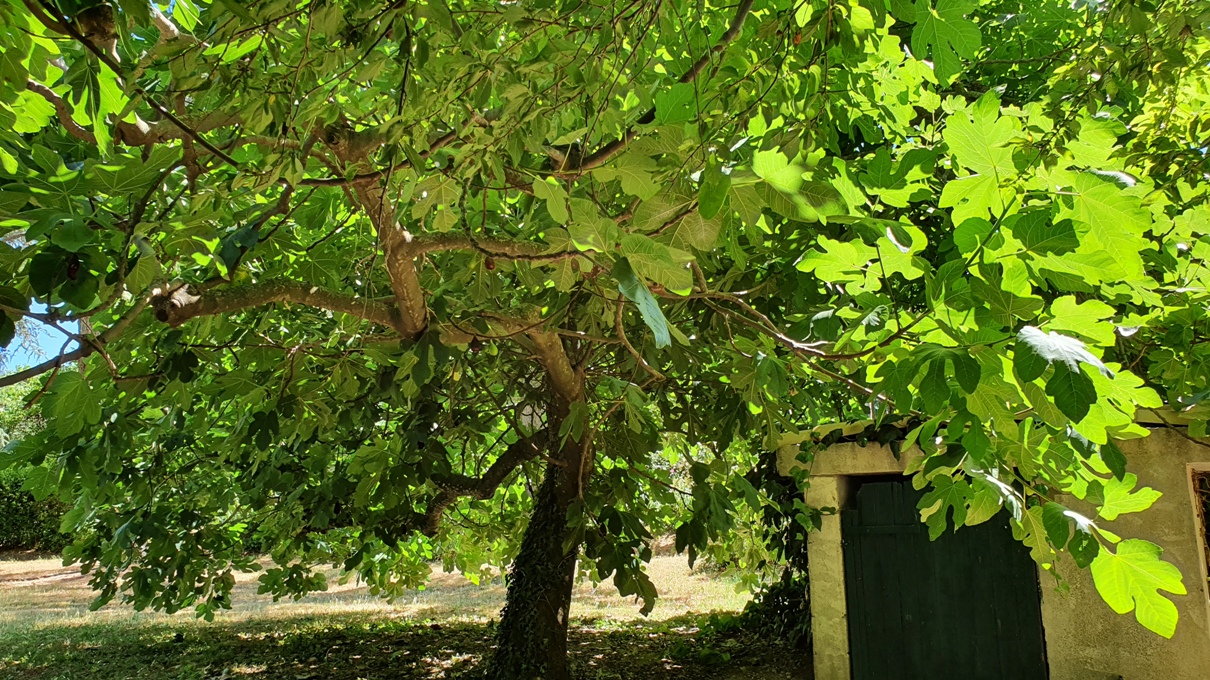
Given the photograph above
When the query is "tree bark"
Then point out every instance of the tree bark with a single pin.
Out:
(531, 641)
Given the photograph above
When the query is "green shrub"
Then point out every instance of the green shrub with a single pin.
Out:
(25, 523)
(782, 611)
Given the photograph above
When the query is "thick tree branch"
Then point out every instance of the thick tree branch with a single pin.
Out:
(178, 305)
(455, 486)
(144, 134)
(602, 155)
(547, 345)
(400, 262)
(566, 381)
(353, 148)
(168, 33)
(168, 30)
(524, 449)
(49, 365)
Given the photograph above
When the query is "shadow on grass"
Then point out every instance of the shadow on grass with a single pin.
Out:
(348, 647)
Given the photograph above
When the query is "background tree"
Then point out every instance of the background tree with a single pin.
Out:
(25, 523)
(376, 283)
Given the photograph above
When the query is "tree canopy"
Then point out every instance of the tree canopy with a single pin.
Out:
(374, 284)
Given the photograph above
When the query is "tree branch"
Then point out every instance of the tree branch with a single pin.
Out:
(45, 19)
(73, 128)
(399, 260)
(176, 306)
(505, 249)
(282, 207)
(602, 155)
(523, 450)
(143, 134)
(131, 134)
(563, 376)
(168, 30)
(377, 174)
(111, 62)
(168, 33)
(81, 352)
(766, 325)
(454, 486)
(353, 149)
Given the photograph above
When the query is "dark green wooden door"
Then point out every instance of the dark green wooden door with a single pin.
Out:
(964, 606)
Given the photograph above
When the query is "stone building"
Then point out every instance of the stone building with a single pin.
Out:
(905, 607)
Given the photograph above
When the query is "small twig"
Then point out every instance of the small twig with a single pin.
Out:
(580, 335)
(58, 363)
(1178, 430)
(656, 480)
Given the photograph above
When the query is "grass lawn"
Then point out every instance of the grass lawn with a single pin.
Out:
(445, 631)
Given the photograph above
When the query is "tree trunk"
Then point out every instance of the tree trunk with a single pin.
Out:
(531, 641)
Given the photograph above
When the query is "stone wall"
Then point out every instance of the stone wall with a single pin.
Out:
(1085, 640)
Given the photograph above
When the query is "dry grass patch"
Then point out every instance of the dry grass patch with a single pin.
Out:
(444, 631)
(42, 591)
